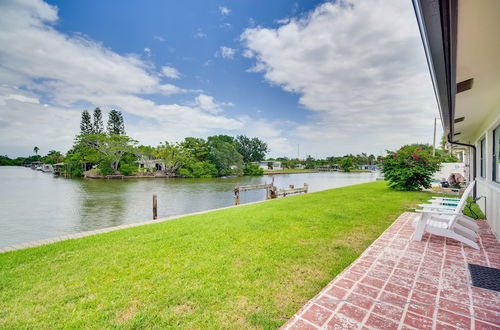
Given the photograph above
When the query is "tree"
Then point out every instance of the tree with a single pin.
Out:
(98, 126)
(221, 138)
(197, 169)
(85, 124)
(35, 150)
(53, 157)
(252, 169)
(252, 149)
(443, 142)
(410, 168)
(225, 157)
(346, 164)
(173, 155)
(105, 149)
(197, 147)
(115, 123)
(310, 162)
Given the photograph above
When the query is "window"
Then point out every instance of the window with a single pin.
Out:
(482, 160)
(496, 154)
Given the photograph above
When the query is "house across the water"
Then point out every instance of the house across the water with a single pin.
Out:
(368, 167)
(270, 165)
(462, 44)
(151, 164)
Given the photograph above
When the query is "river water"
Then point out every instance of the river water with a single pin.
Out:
(36, 205)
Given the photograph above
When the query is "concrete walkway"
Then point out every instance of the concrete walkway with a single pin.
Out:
(402, 284)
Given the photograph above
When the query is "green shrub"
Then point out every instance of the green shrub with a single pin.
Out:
(410, 168)
(106, 168)
(127, 169)
(253, 169)
(198, 170)
(346, 164)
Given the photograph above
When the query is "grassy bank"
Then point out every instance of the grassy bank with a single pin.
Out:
(244, 267)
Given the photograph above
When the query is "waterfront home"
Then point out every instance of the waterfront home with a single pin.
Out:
(270, 165)
(300, 166)
(462, 47)
(368, 167)
(36, 164)
(151, 164)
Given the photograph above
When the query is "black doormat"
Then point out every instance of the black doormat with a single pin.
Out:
(485, 277)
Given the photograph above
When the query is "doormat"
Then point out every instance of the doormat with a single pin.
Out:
(485, 277)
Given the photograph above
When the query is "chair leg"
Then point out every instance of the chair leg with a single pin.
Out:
(466, 232)
(420, 227)
(468, 222)
(463, 239)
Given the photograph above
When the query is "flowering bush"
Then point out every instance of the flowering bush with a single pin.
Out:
(410, 168)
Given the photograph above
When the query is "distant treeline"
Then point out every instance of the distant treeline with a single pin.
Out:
(100, 152)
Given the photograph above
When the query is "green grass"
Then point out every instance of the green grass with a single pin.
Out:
(252, 266)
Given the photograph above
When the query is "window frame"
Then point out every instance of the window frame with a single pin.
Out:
(482, 158)
(495, 176)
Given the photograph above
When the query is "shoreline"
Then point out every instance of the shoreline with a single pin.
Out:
(65, 237)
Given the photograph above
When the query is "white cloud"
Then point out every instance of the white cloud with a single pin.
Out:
(226, 52)
(170, 72)
(224, 10)
(71, 73)
(207, 103)
(225, 26)
(199, 34)
(282, 21)
(358, 66)
(147, 51)
(20, 98)
(159, 38)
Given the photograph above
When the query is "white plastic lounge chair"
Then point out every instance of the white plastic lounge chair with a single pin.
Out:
(451, 200)
(454, 207)
(445, 223)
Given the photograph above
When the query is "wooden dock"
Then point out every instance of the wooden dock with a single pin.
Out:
(271, 190)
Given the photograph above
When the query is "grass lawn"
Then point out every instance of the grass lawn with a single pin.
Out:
(251, 266)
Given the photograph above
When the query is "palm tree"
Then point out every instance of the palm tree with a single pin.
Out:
(35, 149)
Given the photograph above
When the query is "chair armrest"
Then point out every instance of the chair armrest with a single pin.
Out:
(436, 206)
(445, 199)
(437, 212)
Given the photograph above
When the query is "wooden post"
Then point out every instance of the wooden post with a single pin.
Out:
(155, 207)
(237, 195)
(307, 187)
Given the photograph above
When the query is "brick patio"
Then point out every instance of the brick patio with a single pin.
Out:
(401, 284)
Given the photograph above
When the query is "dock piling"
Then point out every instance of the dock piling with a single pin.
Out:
(155, 207)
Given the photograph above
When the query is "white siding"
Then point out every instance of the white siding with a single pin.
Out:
(486, 187)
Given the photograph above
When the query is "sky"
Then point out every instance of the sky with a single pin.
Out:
(308, 77)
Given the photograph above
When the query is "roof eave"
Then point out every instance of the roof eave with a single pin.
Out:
(437, 21)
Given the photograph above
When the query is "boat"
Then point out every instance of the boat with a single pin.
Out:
(47, 168)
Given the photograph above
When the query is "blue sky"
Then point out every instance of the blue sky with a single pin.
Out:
(333, 77)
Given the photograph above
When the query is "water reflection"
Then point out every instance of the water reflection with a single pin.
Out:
(36, 205)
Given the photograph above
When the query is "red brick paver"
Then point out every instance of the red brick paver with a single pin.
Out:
(402, 284)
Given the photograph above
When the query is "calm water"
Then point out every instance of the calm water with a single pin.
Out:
(36, 205)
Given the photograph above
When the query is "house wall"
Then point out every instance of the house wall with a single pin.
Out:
(490, 203)
(447, 168)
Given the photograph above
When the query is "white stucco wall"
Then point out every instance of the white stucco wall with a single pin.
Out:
(447, 169)
(486, 187)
